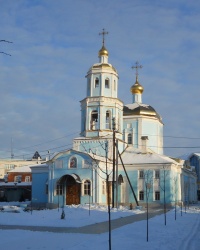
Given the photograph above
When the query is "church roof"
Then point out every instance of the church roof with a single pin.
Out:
(140, 109)
(133, 156)
(137, 88)
(103, 51)
(102, 66)
(36, 155)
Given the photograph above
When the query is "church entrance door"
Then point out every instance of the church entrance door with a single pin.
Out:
(72, 191)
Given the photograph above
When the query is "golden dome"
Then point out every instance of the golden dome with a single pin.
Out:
(136, 109)
(137, 88)
(103, 51)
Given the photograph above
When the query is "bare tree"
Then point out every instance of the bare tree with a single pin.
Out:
(148, 183)
(175, 189)
(162, 184)
(5, 41)
(107, 174)
(186, 194)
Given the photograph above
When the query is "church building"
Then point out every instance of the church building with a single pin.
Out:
(119, 155)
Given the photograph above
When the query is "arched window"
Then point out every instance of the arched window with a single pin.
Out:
(130, 141)
(87, 187)
(107, 83)
(96, 82)
(73, 162)
(108, 120)
(94, 120)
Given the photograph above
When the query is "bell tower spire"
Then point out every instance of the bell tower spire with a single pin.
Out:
(103, 33)
(103, 53)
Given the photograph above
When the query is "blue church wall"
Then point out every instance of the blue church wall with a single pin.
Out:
(195, 161)
(93, 147)
(83, 120)
(61, 167)
(166, 179)
(151, 129)
(133, 176)
(165, 186)
(96, 90)
(107, 91)
(39, 194)
(65, 160)
(133, 128)
(88, 87)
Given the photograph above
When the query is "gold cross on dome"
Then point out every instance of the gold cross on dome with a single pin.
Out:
(103, 33)
(136, 67)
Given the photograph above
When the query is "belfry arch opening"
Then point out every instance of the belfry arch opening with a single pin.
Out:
(94, 120)
(108, 119)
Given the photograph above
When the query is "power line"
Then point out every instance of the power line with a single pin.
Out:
(36, 145)
(18, 156)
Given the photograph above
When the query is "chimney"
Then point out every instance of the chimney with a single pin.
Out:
(144, 144)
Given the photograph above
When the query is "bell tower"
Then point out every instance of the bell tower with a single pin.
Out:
(101, 104)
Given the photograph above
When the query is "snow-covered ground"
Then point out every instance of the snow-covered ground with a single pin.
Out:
(182, 233)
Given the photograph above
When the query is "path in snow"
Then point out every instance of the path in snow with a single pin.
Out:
(192, 240)
(97, 228)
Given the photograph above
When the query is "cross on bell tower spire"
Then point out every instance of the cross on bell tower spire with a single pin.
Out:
(103, 33)
(103, 53)
(136, 67)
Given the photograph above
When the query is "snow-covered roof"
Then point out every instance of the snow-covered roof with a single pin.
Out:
(197, 154)
(135, 109)
(14, 184)
(26, 169)
(21, 169)
(132, 156)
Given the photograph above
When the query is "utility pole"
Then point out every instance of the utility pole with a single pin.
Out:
(117, 184)
(108, 195)
(12, 154)
(113, 181)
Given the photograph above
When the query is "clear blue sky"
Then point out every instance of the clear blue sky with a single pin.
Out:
(56, 42)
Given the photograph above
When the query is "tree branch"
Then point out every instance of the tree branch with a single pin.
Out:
(5, 53)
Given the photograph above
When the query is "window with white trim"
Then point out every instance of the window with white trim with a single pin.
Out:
(96, 82)
(141, 174)
(103, 187)
(87, 187)
(157, 195)
(157, 174)
(107, 83)
(130, 141)
(27, 178)
(59, 189)
(141, 195)
(94, 120)
(108, 120)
